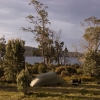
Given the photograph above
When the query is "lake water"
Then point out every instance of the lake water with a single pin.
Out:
(32, 60)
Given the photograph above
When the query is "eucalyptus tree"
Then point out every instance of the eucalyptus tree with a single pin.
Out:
(91, 33)
(92, 54)
(58, 44)
(40, 23)
(91, 65)
(14, 60)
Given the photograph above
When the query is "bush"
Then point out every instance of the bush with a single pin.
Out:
(23, 80)
(79, 71)
(66, 70)
(67, 79)
(2, 79)
(42, 68)
(76, 66)
(71, 70)
(91, 64)
(35, 68)
(64, 73)
(52, 66)
(60, 69)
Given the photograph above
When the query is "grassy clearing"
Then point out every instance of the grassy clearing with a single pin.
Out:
(84, 91)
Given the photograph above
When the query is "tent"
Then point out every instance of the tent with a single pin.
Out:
(46, 79)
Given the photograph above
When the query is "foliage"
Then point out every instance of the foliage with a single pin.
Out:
(37, 52)
(65, 54)
(71, 70)
(91, 58)
(49, 47)
(2, 79)
(80, 71)
(33, 69)
(29, 67)
(37, 68)
(52, 67)
(42, 68)
(64, 73)
(41, 31)
(59, 69)
(2, 46)
(91, 34)
(65, 70)
(58, 44)
(92, 64)
(14, 60)
(23, 80)
(76, 66)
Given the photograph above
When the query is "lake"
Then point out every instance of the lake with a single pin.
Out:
(32, 60)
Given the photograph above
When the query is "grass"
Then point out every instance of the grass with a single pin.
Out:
(84, 91)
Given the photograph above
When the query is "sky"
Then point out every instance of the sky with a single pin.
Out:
(63, 14)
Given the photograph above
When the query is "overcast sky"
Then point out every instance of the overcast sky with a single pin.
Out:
(63, 14)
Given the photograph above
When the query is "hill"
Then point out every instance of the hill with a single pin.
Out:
(29, 52)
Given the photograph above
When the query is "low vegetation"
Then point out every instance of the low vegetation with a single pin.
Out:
(84, 91)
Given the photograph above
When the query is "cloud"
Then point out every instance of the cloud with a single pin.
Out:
(63, 14)
(73, 11)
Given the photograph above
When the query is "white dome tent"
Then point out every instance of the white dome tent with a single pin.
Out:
(47, 79)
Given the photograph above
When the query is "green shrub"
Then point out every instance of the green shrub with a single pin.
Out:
(71, 70)
(64, 73)
(52, 66)
(35, 68)
(67, 70)
(2, 78)
(42, 68)
(76, 66)
(79, 71)
(58, 70)
(67, 79)
(23, 80)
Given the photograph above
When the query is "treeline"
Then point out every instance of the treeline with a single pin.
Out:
(37, 53)
(29, 51)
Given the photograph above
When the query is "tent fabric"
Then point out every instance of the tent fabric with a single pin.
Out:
(46, 79)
